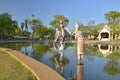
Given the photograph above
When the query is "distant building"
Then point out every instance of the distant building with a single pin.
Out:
(104, 33)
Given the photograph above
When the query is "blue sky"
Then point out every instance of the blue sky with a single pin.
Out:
(75, 10)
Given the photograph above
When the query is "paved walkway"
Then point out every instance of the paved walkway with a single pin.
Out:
(41, 71)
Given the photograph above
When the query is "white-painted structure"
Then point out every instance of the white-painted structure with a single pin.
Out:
(104, 34)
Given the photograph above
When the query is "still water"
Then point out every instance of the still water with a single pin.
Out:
(101, 61)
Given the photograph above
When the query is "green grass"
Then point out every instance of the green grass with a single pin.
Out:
(11, 69)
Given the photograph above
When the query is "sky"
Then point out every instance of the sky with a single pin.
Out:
(74, 10)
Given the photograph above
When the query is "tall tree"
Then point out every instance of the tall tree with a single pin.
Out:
(113, 18)
(34, 23)
(55, 23)
(14, 26)
(91, 23)
(26, 24)
(40, 31)
(22, 25)
(7, 25)
(90, 27)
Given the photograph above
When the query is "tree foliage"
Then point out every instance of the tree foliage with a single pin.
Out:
(55, 23)
(113, 18)
(91, 23)
(40, 31)
(7, 25)
(34, 23)
(22, 25)
(26, 24)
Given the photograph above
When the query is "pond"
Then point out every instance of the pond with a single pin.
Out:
(101, 61)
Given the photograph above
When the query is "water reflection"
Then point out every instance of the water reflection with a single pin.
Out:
(59, 60)
(79, 72)
(35, 50)
(99, 60)
(15, 45)
(107, 49)
(112, 67)
(112, 55)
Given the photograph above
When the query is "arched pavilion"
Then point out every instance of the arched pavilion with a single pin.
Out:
(104, 33)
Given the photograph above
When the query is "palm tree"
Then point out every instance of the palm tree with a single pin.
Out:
(26, 24)
(22, 25)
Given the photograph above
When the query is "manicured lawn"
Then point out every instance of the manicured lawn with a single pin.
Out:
(11, 69)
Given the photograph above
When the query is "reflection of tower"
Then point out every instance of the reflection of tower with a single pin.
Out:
(79, 72)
